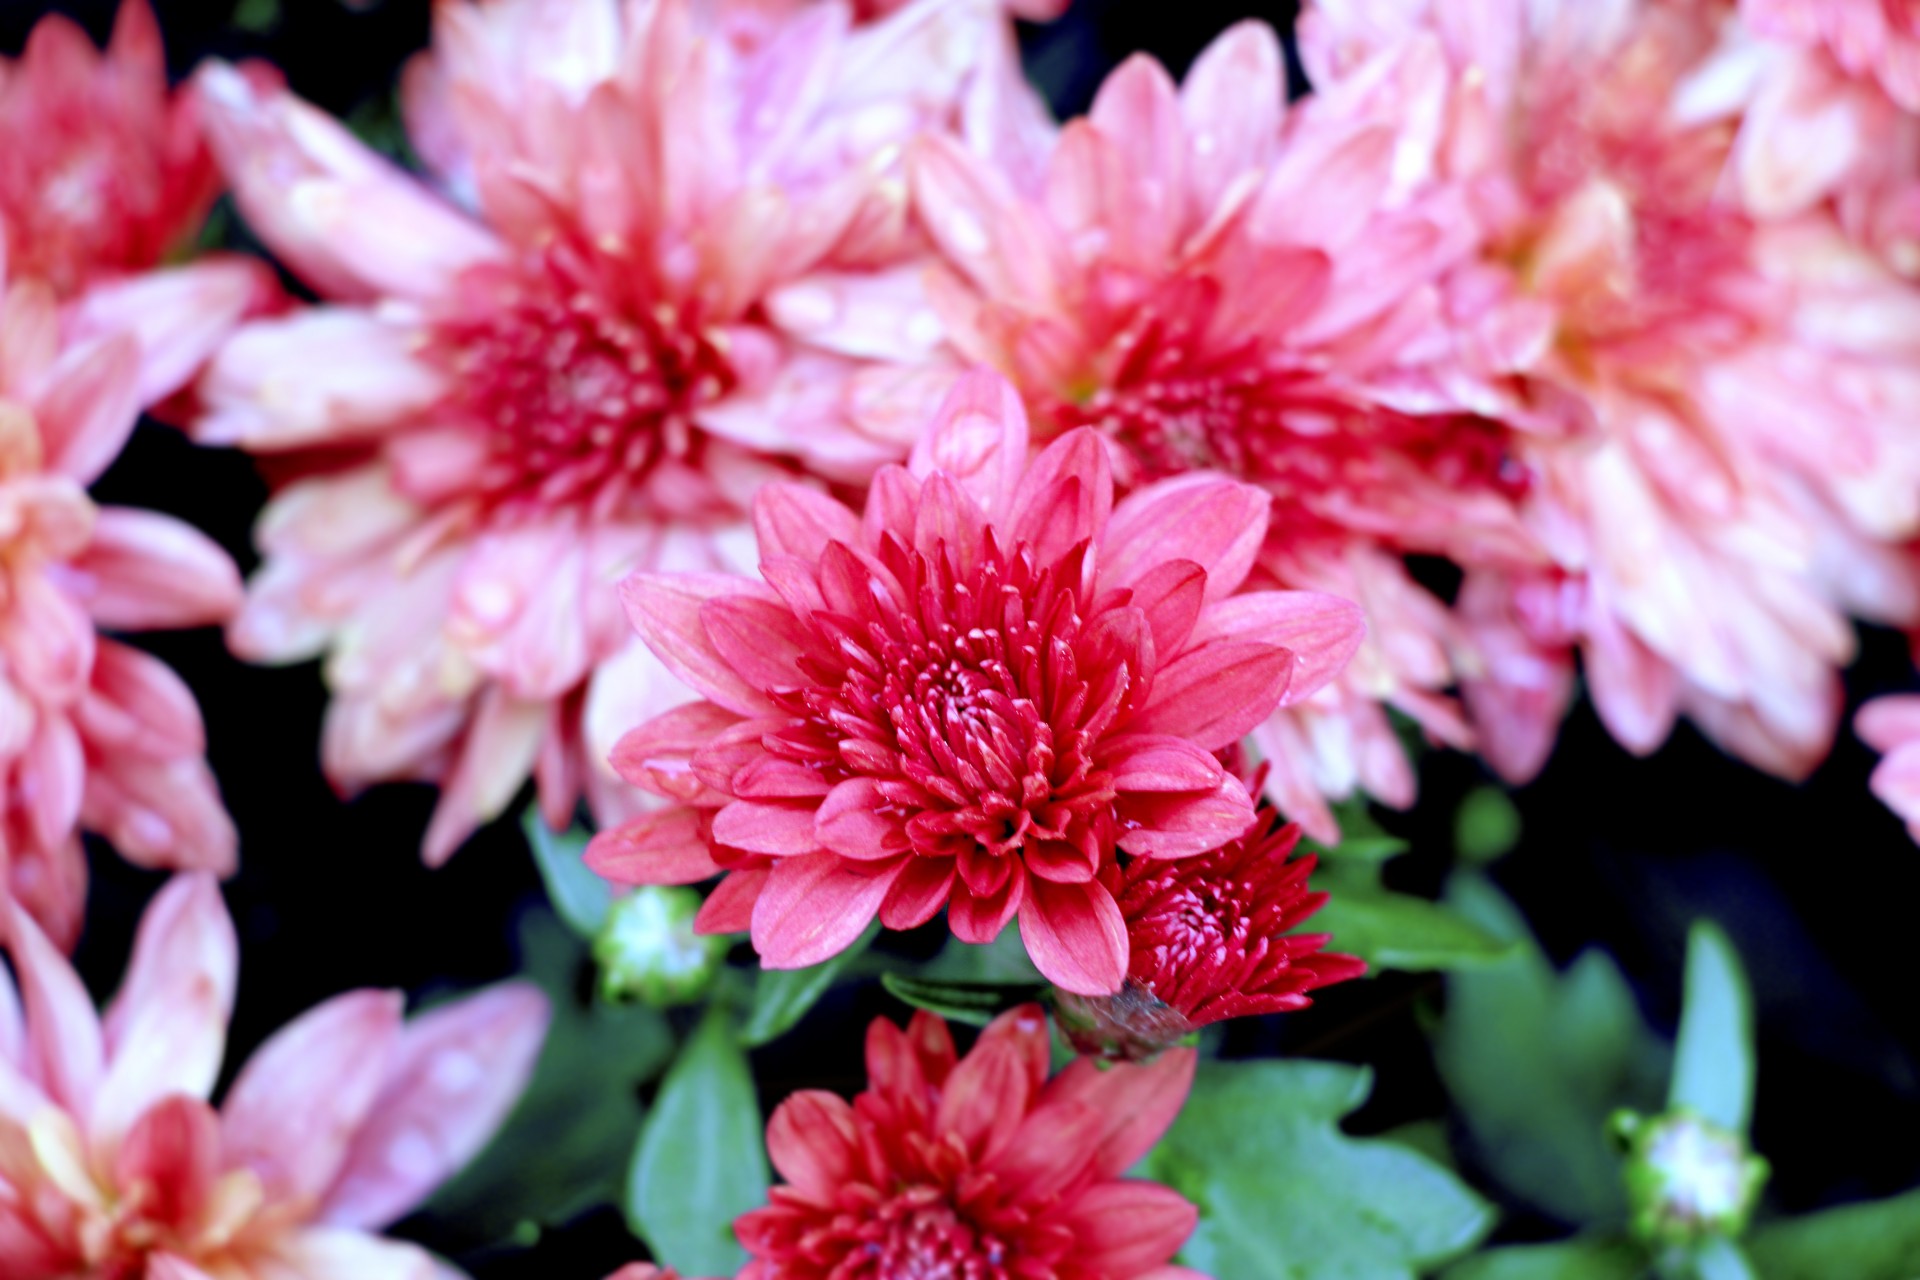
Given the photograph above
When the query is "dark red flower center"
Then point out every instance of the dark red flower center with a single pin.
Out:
(918, 1235)
(580, 394)
(975, 697)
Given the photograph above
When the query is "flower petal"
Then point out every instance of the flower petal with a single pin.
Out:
(454, 1075)
(144, 570)
(1322, 631)
(813, 907)
(65, 1052)
(1216, 523)
(1216, 693)
(1076, 936)
(664, 846)
(979, 439)
(666, 610)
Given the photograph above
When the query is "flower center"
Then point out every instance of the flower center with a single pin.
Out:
(976, 698)
(918, 1236)
(579, 394)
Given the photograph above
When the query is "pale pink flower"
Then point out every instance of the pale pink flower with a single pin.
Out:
(104, 171)
(1719, 461)
(976, 695)
(508, 407)
(1880, 38)
(113, 1163)
(95, 734)
(1215, 280)
(1891, 726)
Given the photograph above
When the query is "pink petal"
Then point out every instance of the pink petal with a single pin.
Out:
(1125, 1228)
(1322, 631)
(1170, 596)
(759, 640)
(1216, 693)
(65, 1053)
(1075, 936)
(979, 920)
(813, 1142)
(1887, 723)
(979, 224)
(455, 1074)
(729, 908)
(1143, 200)
(979, 439)
(666, 610)
(813, 907)
(664, 846)
(794, 520)
(297, 1106)
(166, 1031)
(501, 745)
(1233, 98)
(1179, 824)
(334, 1253)
(658, 754)
(1217, 524)
(171, 1266)
(136, 703)
(51, 778)
(145, 570)
(179, 316)
(988, 1093)
(89, 406)
(781, 830)
(919, 893)
(854, 822)
(1159, 762)
(1137, 1103)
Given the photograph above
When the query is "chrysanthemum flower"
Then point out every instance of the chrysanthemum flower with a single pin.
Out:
(975, 695)
(1717, 475)
(103, 171)
(95, 734)
(1880, 38)
(977, 1166)
(1215, 281)
(501, 413)
(112, 1163)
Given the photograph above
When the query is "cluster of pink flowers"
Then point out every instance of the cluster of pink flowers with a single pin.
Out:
(762, 425)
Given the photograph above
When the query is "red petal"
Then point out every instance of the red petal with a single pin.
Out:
(779, 830)
(813, 1142)
(979, 919)
(758, 639)
(1136, 1103)
(1159, 762)
(729, 908)
(1177, 825)
(813, 908)
(919, 893)
(662, 847)
(1125, 1228)
(1322, 631)
(1170, 596)
(1216, 693)
(1076, 936)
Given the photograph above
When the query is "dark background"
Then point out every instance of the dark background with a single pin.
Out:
(1817, 884)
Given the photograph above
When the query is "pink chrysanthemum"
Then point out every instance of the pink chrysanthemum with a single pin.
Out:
(978, 1166)
(504, 411)
(1880, 38)
(103, 171)
(98, 735)
(112, 1164)
(974, 696)
(1214, 281)
(1717, 473)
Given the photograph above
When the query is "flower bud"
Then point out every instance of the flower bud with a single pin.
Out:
(647, 949)
(1687, 1178)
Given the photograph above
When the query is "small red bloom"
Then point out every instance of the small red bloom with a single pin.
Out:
(975, 1169)
(975, 696)
(104, 171)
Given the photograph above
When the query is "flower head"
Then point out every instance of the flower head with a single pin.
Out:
(98, 735)
(647, 948)
(1687, 1178)
(977, 695)
(104, 170)
(977, 1166)
(559, 366)
(1217, 282)
(112, 1162)
(1715, 477)
(1211, 937)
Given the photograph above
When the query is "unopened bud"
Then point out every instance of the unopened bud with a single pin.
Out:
(1687, 1178)
(647, 949)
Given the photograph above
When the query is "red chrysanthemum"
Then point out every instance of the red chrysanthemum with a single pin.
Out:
(978, 696)
(973, 1169)
(104, 171)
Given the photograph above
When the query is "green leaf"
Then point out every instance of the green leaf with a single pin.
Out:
(1597, 1259)
(1536, 1062)
(578, 894)
(1285, 1195)
(1713, 1061)
(974, 1003)
(1399, 931)
(564, 1149)
(1875, 1241)
(781, 997)
(1486, 826)
(701, 1160)
(1719, 1258)
(1361, 837)
(1002, 960)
